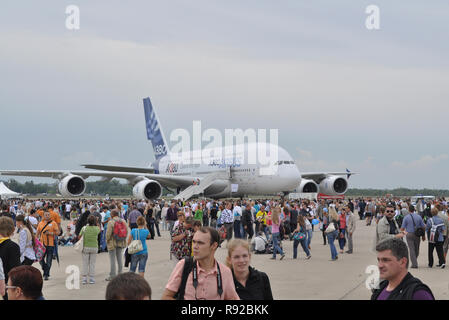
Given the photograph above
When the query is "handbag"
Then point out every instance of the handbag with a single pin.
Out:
(135, 245)
(79, 245)
(419, 232)
(330, 228)
(299, 236)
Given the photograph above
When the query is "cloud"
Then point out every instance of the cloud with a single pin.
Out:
(424, 162)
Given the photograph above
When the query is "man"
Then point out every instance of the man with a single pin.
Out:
(132, 218)
(47, 231)
(115, 244)
(247, 221)
(227, 218)
(128, 286)
(370, 211)
(410, 224)
(293, 219)
(214, 280)
(350, 227)
(261, 218)
(105, 217)
(387, 228)
(399, 284)
(25, 283)
(237, 212)
(362, 206)
(172, 216)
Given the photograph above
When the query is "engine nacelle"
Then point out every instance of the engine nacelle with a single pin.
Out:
(72, 186)
(147, 190)
(334, 185)
(307, 186)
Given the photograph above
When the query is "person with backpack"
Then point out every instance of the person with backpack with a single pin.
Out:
(201, 277)
(435, 234)
(116, 234)
(398, 283)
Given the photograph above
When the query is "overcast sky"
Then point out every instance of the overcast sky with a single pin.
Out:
(342, 96)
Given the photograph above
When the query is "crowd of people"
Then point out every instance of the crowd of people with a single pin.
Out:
(197, 228)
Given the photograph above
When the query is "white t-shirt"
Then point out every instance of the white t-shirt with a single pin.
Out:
(68, 207)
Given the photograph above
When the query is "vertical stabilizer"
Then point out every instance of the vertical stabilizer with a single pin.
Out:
(154, 131)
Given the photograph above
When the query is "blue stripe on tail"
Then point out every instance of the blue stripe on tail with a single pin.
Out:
(154, 132)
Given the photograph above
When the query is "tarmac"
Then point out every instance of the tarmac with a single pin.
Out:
(316, 279)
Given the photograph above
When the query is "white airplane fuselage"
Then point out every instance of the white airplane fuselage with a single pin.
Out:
(253, 177)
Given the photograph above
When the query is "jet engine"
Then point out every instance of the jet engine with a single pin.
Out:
(147, 190)
(308, 186)
(72, 186)
(334, 185)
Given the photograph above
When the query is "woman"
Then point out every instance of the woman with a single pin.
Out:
(90, 248)
(140, 233)
(26, 241)
(331, 236)
(181, 236)
(342, 230)
(275, 233)
(436, 239)
(148, 213)
(301, 229)
(250, 284)
(324, 224)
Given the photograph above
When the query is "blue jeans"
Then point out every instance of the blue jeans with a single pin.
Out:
(303, 245)
(342, 241)
(237, 230)
(276, 246)
(103, 241)
(140, 259)
(330, 238)
(47, 260)
(309, 237)
(55, 250)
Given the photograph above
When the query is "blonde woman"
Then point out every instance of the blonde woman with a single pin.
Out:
(250, 284)
(331, 236)
(275, 232)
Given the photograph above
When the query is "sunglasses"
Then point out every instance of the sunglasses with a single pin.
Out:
(389, 211)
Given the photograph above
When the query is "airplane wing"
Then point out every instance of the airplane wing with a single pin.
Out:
(172, 181)
(118, 168)
(320, 176)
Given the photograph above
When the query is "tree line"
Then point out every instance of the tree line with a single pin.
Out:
(116, 188)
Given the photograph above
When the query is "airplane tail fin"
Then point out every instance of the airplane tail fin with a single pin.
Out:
(154, 131)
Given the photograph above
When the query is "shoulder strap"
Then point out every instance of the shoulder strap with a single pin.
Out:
(188, 265)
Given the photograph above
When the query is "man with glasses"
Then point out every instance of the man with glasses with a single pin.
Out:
(387, 228)
(207, 278)
(25, 283)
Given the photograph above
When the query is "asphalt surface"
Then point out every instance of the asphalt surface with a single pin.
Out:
(301, 279)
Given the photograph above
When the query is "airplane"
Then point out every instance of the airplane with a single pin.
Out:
(222, 176)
